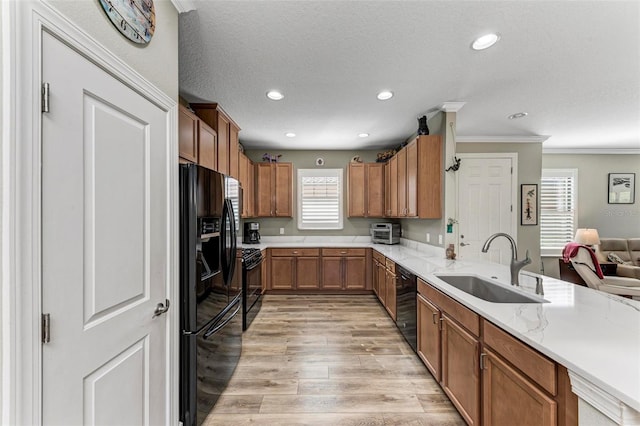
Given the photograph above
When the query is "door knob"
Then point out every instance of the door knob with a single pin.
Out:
(161, 309)
(464, 244)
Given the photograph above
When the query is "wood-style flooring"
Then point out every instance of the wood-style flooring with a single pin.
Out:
(329, 360)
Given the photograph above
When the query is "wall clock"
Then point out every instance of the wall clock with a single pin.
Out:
(135, 19)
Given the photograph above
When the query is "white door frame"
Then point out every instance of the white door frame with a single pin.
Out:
(514, 186)
(21, 297)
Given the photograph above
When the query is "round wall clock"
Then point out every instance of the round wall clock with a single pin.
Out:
(135, 19)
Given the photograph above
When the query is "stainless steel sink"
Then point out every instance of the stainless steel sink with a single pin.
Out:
(487, 290)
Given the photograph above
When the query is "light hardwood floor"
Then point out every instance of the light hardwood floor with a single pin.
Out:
(329, 360)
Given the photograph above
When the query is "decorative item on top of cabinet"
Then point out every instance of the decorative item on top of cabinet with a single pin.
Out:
(227, 129)
(365, 189)
(274, 187)
(196, 141)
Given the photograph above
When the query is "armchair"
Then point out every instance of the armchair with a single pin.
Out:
(583, 264)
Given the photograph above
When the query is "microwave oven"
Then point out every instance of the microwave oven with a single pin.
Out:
(385, 233)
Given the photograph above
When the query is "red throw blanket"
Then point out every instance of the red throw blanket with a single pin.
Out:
(571, 250)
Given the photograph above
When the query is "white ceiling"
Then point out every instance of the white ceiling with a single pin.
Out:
(574, 66)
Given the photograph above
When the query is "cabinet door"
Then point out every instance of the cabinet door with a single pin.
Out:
(382, 284)
(393, 187)
(402, 182)
(308, 273)
(263, 190)
(390, 300)
(429, 336)
(223, 143)
(187, 135)
(460, 370)
(430, 176)
(356, 190)
(412, 179)
(375, 189)
(251, 196)
(207, 143)
(355, 273)
(233, 150)
(243, 177)
(283, 189)
(332, 273)
(509, 398)
(374, 277)
(282, 273)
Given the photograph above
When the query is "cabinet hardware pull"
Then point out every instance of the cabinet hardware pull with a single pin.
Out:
(295, 252)
(482, 355)
(435, 317)
(440, 324)
(343, 252)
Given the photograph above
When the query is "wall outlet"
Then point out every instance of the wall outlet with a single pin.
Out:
(281, 231)
(428, 237)
(440, 239)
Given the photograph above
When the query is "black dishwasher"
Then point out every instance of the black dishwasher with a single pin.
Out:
(406, 308)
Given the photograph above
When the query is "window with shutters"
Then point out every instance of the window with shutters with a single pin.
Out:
(558, 209)
(320, 199)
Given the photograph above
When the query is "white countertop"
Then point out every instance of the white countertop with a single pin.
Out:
(593, 334)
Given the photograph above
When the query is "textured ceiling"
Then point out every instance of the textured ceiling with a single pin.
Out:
(574, 66)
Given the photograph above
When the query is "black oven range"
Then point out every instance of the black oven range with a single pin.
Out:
(251, 284)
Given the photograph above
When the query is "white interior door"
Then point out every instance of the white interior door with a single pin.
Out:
(104, 254)
(485, 191)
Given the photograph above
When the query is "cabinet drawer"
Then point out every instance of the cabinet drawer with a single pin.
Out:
(390, 264)
(378, 256)
(344, 251)
(535, 365)
(469, 319)
(279, 252)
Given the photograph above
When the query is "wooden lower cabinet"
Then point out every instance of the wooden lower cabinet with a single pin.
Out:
(332, 273)
(355, 273)
(282, 273)
(491, 377)
(390, 292)
(344, 269)
(510, 398)
(461, 370)
(307, 273)
(382, 284)
(429, 336)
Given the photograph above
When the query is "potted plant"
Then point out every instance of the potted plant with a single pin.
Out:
(450, 223)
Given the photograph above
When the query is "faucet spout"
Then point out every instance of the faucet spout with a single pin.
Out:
(515, 264)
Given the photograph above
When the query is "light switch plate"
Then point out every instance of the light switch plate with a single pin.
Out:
(440, 239)
(428, 237)
(281, 231)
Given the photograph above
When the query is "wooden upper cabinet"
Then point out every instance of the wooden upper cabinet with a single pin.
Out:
(392, 188)
(274, 190)
(187, 134)
(227, 131)
(411, 182)
(401, 186)
(375, 189)
(429, 177)
(207, 146)
(234, 151)
(245, 176)
(283, 189)
(366, 189)
(355, 190)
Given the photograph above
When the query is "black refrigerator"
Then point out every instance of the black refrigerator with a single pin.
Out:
(210, 290)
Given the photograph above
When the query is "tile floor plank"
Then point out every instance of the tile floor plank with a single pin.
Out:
(329, 360)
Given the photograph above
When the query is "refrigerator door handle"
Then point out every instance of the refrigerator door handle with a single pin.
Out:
(223, 242)
(217, 326)
(234, 244)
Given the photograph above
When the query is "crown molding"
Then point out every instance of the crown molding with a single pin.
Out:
(502, 139)
(595, 151)
(183, 6)
(452, 106)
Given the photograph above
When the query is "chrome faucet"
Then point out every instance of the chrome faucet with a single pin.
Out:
(516, 264)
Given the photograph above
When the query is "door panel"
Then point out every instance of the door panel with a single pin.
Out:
(332, 272)
(484, 206)
(104, 247)
(308, 272)
(355, 274)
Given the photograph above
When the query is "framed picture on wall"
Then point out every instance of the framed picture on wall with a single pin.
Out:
(622, 188)
(529, 204)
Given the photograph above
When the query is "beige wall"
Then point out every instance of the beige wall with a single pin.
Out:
(611, 220)
(529, 171)
(157, 61)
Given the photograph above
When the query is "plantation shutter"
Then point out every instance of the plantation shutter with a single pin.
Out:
(320, 198)
(558, 216)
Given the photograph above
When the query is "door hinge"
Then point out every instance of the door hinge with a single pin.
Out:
(511, 207)
(46, 328)
(511, 169)
(45, 97)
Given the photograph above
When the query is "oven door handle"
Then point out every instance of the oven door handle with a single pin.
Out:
(215, 327)
(255, 265)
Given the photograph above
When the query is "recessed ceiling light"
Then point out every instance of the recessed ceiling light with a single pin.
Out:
(363, 135)
(517, 115)
(290, 135)
(485, 42)
(385, 94)
(274, 95)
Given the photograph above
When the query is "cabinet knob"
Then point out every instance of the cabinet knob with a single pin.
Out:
(343, 252)
(295, 252)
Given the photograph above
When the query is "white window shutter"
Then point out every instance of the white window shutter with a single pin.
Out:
(320, 199)
(558, 210)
